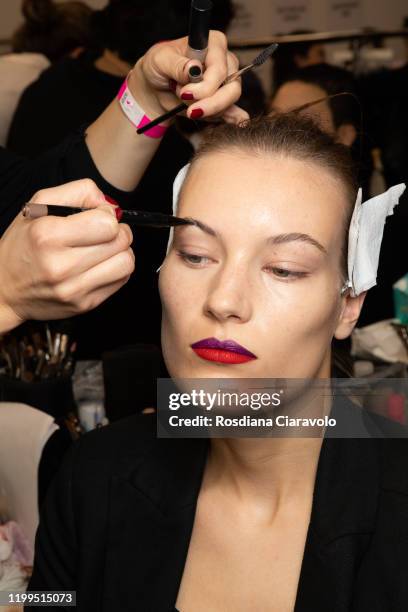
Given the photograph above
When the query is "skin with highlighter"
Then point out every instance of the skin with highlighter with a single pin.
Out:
(262, 269)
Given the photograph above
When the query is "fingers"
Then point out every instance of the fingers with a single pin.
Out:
(234, 114)
(76, 193)
(216, 67)
(65, 263)
(88, 228)
(213, 98)
(86, 290)
(90, 256)
(168, 61)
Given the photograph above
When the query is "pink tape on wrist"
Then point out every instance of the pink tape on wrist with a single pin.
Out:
(136, 114)
(158, 131)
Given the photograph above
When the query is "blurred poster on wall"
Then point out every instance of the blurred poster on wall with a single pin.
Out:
(252, 19)
(291, 15)
(344, 14)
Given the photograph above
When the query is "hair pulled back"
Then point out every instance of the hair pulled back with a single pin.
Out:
(53, 29)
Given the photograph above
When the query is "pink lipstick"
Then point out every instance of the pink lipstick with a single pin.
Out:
(226, 351)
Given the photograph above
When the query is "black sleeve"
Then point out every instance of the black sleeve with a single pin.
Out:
(56, 538)
(71, 160)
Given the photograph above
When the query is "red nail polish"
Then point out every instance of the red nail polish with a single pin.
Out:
(172, 85)
(196, 113)
(187, 95)
(110, 200)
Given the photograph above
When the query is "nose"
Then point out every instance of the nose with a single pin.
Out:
(229, 295)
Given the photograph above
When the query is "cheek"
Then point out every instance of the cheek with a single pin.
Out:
(300, 320)
(178, 297)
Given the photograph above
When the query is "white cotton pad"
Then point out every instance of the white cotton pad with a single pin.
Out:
(177, 185)
(365, 236)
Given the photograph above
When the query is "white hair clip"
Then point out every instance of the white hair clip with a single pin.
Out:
(365, 236)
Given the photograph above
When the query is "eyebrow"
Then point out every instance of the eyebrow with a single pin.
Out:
(277, 239)
(202, 226)
(296, 236)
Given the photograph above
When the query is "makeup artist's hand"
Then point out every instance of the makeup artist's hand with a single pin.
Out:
(54, 267)
(160, 79)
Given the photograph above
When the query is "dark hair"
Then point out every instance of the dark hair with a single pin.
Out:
(284, 63)
(130, 27)
(332, 80)
(52, 29)
(289, 135)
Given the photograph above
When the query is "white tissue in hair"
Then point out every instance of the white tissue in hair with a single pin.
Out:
(177, 185)
(365, 236)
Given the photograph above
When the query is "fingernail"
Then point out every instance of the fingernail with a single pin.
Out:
(195, 71)
(172, 84)
(110, 200)
(196, 113)
(187, 95)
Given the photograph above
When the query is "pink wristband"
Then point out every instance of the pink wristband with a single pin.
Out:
(136, 114)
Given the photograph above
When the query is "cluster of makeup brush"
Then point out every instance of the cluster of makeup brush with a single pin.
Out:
(37, 355)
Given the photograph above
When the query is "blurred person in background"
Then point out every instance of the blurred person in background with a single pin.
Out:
(340, 117)
(50, 32)
(292, 56)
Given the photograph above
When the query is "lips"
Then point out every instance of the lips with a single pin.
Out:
(226, 351)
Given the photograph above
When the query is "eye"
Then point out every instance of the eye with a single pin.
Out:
(192, 259)
(285, 274)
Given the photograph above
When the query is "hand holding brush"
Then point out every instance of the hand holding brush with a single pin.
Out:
(258, 61)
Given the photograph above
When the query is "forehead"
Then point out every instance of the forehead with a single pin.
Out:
(253, 195)
(295, 93)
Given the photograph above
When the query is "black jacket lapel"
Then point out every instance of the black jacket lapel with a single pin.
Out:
(151, 519)
(342, 522)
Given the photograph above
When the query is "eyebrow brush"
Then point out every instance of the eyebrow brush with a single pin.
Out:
(258, 61)
(143, 218)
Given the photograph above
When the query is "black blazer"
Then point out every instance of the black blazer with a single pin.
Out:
(118, 520)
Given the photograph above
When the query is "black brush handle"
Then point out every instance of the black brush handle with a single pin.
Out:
(171, 113)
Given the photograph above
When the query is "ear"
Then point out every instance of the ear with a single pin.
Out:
(350, 311)
(346, 134)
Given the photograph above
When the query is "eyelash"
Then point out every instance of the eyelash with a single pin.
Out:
(186, 257)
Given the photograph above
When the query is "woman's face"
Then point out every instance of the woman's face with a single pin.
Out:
(266, 273)
(293, 94)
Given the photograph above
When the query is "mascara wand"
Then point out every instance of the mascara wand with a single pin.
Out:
(258, 61)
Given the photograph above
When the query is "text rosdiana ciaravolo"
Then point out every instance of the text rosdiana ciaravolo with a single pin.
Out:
(249, 421)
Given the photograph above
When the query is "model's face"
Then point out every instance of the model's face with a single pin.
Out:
(293, 94)
(269, 279)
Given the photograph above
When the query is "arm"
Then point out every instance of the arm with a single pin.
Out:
(120, 154)
(112, 154)
(44, 271)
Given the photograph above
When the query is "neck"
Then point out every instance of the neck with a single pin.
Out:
(111, 63)
(275, 470)
(271, 472)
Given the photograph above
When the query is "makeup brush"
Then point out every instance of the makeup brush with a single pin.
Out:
(258, 61)
(142, 218)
